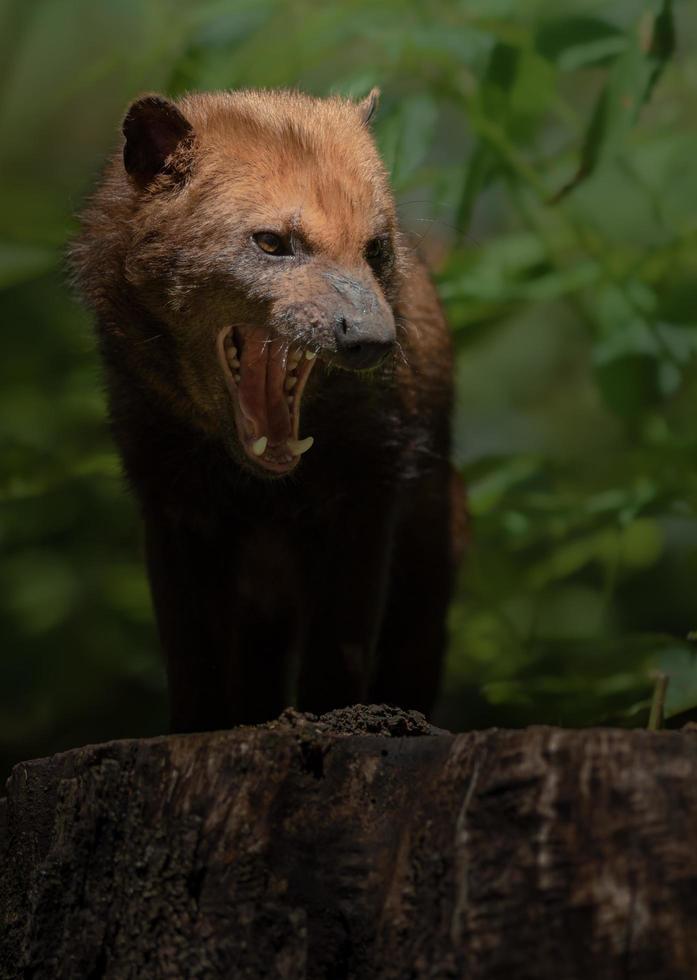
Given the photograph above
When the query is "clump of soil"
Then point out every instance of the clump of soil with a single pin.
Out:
(358, 719)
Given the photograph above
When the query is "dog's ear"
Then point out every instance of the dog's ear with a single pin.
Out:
(154, 129)
(369, 105)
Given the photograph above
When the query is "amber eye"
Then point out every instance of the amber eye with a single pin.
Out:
(272, 244)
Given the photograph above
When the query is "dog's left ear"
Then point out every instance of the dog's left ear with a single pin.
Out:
(369, 105)
(153, 130)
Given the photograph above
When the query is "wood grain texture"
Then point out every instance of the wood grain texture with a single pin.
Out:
(363, 844)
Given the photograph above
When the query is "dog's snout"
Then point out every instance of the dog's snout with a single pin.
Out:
(362, 343)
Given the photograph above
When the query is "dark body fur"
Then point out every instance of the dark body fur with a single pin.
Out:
(331, 584)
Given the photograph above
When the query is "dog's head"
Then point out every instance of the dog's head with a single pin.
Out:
(258, 231)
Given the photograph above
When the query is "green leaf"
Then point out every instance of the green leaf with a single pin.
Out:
(638, 545)
(487, 493)
(500, 77)
(406, 135)
(478, 174)
(629, 385)
(578, 42)
(680, 664)
(632, 79)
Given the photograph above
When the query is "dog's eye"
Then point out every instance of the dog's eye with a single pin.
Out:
(378, 254)
(272, 244)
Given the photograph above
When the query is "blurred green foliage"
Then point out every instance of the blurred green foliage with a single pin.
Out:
(544, 155)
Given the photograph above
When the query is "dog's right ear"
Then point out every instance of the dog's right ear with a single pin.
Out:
(369, 105)
(154, 129)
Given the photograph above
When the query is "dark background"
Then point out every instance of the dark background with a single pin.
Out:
(575, 320)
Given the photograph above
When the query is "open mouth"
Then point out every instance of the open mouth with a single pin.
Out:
(266, 377)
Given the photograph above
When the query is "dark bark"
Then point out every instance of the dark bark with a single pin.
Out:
(362, 845)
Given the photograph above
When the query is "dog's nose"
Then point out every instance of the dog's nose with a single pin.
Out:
(362, 343)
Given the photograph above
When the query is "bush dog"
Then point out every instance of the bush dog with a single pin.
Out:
(279, 377)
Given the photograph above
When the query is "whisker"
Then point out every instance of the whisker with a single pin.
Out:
(407, 321)
(437, 221)
(402, 353)
(425, 200)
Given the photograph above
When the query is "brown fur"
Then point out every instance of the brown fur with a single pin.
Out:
(334, 580)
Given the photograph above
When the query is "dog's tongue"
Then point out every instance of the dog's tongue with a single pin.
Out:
(261, 392)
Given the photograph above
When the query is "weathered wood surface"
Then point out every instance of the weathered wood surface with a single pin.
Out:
(363, 845)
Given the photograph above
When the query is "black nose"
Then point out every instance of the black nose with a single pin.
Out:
(362, 345)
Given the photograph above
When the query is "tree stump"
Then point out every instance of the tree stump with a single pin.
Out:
(363, 844)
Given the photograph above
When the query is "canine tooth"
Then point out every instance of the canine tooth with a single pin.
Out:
(310, 355)
(300, 446)
(294, 358)
(259, 447)
(291, 381)
(233, 351)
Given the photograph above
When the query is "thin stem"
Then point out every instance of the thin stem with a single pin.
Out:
(658, 703)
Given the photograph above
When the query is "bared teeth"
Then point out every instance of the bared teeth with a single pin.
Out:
(274, 455)
(300, 446)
